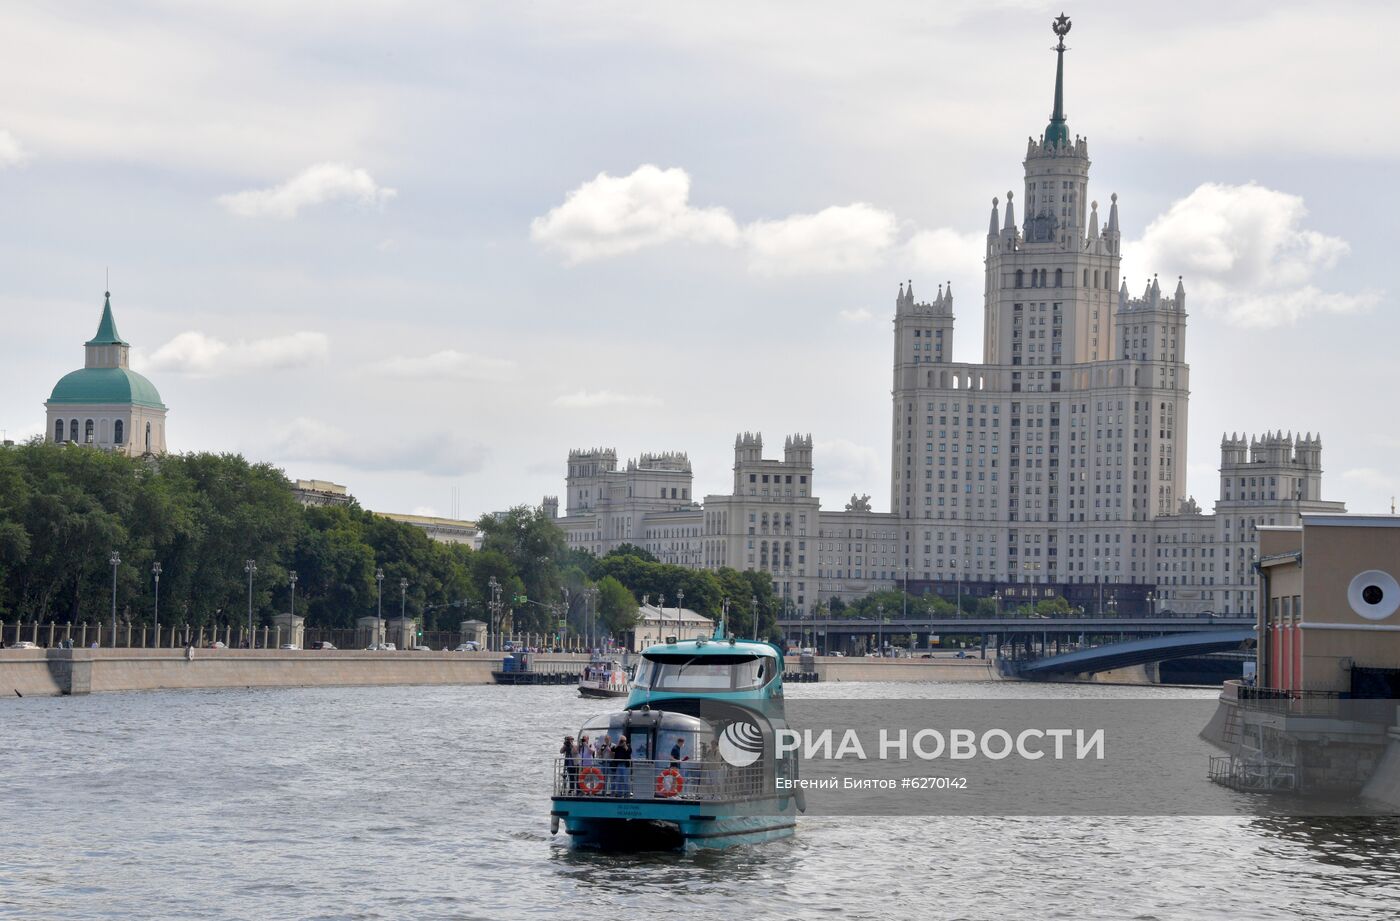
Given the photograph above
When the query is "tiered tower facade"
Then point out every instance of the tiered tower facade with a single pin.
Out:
(1046, 462)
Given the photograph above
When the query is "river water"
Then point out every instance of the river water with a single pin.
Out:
(425, 803)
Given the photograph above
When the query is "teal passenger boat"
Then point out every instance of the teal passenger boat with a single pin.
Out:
(701, 720)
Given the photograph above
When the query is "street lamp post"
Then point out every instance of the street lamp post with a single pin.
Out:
(116, 560)
(753, 599)
(661, 615)
(155, 572)
(403, 607)
(379, 608)
(904, 602)
(250, 567)
(680, 606)
(880, 630)
(292, 617)
(494, 606)
(1151, 604)
(1098, 579)
(957, 573)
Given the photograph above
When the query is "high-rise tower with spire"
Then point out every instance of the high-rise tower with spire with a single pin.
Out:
(1060, 459)
(1048, 461)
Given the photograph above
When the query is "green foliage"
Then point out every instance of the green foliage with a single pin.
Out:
(64, 510)
(617, 607)
(640, 553)
(536, 551)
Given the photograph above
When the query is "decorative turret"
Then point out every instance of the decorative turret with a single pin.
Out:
(677, 461)
(797, 449)
(1057, 169)
(941, 305)
(992, 227)
(748, 446)
(107, 349)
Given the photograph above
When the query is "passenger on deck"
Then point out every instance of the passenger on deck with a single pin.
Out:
(585, 751)
(570, 753)
(622, 767)
(676, 756)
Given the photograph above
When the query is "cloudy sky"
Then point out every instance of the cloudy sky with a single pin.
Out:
(424, 248)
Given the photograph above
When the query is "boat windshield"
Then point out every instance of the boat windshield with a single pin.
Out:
(682, 672)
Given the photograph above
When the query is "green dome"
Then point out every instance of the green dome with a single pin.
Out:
(106, 385)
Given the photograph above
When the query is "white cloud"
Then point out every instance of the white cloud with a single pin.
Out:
(1373, 479)
(196, 353)
(859, 315)
(315, 185)
(841, 238)
(615, 215)
(12, 153)
(1246, 256)
(612, 215)
(448, 363)
(947, 251)
(845, 466)
(585, 399)
(442, 452)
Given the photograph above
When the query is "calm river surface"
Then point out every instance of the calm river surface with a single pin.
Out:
(428, 803)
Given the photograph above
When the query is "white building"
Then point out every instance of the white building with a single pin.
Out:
(442, 530)
(648, 504)
(1060, 458)
(654, 624)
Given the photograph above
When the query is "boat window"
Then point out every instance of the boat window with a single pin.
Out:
(679, 672)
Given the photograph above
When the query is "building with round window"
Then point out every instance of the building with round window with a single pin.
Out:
(105, 403)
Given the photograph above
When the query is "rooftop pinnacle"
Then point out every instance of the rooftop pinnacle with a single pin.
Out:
(1057, 132)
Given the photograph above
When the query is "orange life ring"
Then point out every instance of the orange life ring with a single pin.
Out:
(669, 783)
(591, 787)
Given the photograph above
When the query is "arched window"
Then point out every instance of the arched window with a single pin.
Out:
(58, 431)
(148, 438)
(1096, 278)
(72, 429)
(118, 432)
(1059, 278)
(1086, 278)
(87, 432)
(1042, 278)
(1020, 279)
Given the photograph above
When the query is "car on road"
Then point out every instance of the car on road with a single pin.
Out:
(420, 648)
(290, 646)
(469, 646)
(381, 647)
(25, 644)
(323, 644)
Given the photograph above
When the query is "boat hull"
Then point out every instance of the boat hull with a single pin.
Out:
(588, 691)
(597, 824)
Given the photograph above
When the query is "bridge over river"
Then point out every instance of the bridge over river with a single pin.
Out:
(1035, 646)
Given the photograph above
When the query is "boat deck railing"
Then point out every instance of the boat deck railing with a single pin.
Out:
(658, 780)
